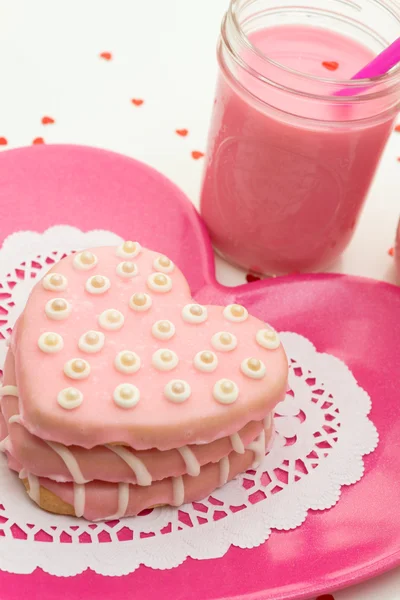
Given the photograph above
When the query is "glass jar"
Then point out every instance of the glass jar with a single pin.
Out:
(291, 154)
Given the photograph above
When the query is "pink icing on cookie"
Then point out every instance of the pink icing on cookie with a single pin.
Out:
(94, 365)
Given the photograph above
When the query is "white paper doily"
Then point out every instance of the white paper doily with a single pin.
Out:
(322, 433)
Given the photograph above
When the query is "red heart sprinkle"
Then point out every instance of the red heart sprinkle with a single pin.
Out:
(331, 65)
(182, 132)
(3, 141)
(38, 140)
(250, 278)
(397, 128)
(137, 101)
(47, 121)
(391, 251)
(196, 154)
(106, 55)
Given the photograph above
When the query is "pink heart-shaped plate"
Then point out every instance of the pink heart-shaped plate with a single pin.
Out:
(355, 319)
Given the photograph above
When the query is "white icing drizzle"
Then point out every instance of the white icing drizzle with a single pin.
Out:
(258, 447)
(3, 444)
(237, 443)
(191, 462)
(267, 421)
(79, 499)
(23, 474)
(9, 390)
(15, 419)
(224, 467)
(178, 491)
(123, 499)
(69, 460)
(143, 477)
(34, 488)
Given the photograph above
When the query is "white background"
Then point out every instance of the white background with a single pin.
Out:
(163, 51)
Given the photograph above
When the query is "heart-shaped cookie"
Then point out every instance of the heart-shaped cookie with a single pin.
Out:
(114, 364)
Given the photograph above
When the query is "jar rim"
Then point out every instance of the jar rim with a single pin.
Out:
(392, 77)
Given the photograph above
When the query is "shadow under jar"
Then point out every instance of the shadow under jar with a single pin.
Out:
(291, 150)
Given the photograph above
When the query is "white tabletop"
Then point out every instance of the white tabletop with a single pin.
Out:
(163, 52)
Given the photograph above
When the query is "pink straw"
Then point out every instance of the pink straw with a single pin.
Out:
(380, 65)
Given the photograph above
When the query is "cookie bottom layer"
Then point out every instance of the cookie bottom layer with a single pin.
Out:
(100, 500)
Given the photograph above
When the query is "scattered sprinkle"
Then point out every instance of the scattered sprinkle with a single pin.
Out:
(106, 55)
(251, 278)
(3, 141)
(182, 132)
(38, 140)
(391, 251)
(137, 101)
(397, 128)
(47, 121)
(331, 65)
(196, 154)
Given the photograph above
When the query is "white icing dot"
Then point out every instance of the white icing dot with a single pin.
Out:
(55, 282)
(70, 398)
(224, 341)
(77, 368)
(126, 395)
(140, 302)
(127, 269)
(98, 284)
(127, 362)
(84, 261)
(165, 360)
(58, 309)
(91, 341)
(163, 330)
(111, 319)
(50, 342)
(254, 368)
(235, 313)
(159, 282)
(129, 250)
(225, 391)
(177, 390)
(268, 338)
(163, 264)
(206, 361)
(194, 313)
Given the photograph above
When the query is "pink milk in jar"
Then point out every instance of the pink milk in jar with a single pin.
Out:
(289, 162)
